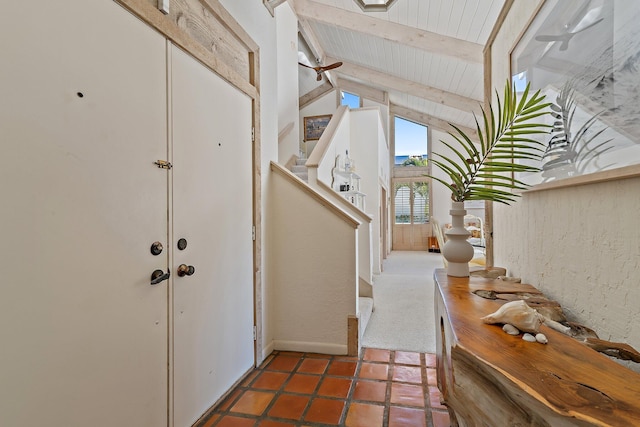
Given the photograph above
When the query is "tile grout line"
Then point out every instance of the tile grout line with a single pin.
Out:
(348, 400)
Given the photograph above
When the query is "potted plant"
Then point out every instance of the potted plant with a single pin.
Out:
(485, 170)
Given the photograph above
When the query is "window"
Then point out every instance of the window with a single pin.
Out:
(411, 202)
(403, 203)
(411, 140)
(420, 198)
(374, 5)
(349, 99)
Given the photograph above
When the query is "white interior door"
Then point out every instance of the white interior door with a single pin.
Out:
(212, 210)
(82, 119)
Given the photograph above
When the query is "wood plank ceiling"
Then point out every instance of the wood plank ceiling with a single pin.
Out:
(425, 55)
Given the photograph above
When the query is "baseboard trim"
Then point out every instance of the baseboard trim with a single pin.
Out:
(353, 336)
(266, 351)
(310, 347)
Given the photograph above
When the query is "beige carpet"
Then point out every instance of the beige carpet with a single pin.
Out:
(404, 318)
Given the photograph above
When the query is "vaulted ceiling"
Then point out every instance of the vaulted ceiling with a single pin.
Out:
(424, 56)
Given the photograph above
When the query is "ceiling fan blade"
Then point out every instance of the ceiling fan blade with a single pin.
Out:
(303, 60)
(588, 26)
(305, 65)
(331, 66)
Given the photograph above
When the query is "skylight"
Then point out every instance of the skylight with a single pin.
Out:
(375, 5)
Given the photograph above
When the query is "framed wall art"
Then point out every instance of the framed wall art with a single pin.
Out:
(584, 55)
(314, 126)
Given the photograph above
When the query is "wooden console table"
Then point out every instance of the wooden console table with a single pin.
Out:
(490, 378)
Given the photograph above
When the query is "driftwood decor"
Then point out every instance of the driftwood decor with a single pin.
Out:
(490, 378)
(552, 310)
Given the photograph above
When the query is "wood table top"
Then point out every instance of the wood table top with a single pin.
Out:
(564, 375)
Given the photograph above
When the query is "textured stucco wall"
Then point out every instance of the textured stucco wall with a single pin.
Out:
(579, 245)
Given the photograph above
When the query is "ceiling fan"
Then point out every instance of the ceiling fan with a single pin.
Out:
(319, 69)
(567, 36)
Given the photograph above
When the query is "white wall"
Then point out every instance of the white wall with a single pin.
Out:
(371, 155)
(440, 195)
(339, 145)
(384, 112)
(327, 104)
(287, 65)
(579, 245)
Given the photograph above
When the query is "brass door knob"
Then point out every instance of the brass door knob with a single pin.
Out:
(186, 270)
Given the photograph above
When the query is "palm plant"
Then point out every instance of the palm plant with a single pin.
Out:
(567, 153)
(485, 171)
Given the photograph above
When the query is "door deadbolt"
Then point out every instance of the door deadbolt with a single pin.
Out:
(156, 248)
(186, 270)
(182, 244)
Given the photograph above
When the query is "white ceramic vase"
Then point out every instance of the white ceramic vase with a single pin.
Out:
(457, 250)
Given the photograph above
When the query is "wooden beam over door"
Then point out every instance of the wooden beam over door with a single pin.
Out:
(398, 33)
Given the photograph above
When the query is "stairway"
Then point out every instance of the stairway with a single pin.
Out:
(300, 170)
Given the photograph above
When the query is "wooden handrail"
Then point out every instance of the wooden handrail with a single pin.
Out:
(320, 198)
(353, 209)
(320, 150)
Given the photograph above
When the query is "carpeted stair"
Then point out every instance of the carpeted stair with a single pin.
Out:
(300, 170)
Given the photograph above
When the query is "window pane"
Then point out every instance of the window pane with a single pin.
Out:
(349, 99)
(403, 203)
(411, 143)
(420, 203)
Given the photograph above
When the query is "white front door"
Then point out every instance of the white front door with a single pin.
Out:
(83, 333)
(212, 211)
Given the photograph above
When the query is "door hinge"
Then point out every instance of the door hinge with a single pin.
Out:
(253, 232)
(253, 134)
(163, 164)
(255, 333)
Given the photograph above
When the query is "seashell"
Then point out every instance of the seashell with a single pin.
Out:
(518, 314)
(510, 329)
(542, 338)
(529, 338)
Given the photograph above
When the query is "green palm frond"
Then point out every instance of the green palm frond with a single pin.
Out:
(484, 170)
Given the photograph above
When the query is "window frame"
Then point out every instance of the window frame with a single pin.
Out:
(411, 182)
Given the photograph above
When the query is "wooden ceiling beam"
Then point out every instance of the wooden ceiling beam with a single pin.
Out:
(315, 47)
(394, 32)
(434, 122)
(381, 79)
(364, 91)
(314, 95)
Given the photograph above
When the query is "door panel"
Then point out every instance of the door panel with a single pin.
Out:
(82, 119)
(212, 210)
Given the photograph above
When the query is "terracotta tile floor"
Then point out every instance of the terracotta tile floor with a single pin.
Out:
(383, 388)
